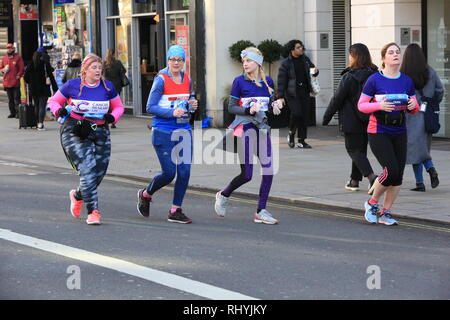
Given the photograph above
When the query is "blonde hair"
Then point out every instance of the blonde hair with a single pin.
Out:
(76, 55)
(260, 70)
(87, 61)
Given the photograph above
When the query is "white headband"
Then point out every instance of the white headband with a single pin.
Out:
(253, 56)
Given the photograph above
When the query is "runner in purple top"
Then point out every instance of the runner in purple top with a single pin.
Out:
(387, 95)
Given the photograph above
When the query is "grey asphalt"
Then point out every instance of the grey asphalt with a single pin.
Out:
(311, 254)
(316, 176)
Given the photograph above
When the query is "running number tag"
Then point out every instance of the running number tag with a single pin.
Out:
(183, 104)
(263, 101)
(400, 101)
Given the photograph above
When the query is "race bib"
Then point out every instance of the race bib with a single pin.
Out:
(400, 101)
(263, 101)
(91, 107)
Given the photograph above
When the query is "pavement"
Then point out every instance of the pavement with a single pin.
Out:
(316, 176)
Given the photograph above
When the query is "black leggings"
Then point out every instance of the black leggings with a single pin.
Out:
(390, 151)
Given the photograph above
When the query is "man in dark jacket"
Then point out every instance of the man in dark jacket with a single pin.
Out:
(12, 68)
(294, 87)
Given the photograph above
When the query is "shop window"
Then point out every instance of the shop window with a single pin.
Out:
(144, 6)
(120, 32)
(438, 44)
(174, 5)
(119, 7)
(69, 34)
(178, 33)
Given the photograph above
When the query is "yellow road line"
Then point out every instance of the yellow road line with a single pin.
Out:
(284, 206)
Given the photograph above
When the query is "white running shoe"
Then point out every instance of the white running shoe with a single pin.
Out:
(221, 204)
(265, 217)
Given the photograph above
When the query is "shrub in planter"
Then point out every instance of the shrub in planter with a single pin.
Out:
(271, 50)
(236, 48)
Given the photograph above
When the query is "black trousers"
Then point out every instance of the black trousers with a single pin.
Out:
(13, 99)
(40, 105)
(356, 145)
(300, 110)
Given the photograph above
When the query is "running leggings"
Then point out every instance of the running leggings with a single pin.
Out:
(174, 162)
(251, 146)
(90, 157)
(390, 151)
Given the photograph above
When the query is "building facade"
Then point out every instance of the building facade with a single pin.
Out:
(142, 30)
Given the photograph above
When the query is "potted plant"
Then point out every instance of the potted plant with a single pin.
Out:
(271, 50)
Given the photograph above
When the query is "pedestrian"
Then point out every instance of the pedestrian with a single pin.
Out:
(85, 137)
(294, 87)
(39, 77)
(73, 68)
(12, 68)
(114, 72)
(251, 99)
(353, 122)
(170, 103)
(427, 84)
(387, 96)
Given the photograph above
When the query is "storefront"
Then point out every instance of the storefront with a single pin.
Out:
(66, 29)
(436, 21)
(141, 31)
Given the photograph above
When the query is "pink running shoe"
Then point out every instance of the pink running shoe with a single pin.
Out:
(94, 218)
(75, 205)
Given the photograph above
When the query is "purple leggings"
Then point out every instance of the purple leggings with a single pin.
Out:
(258, 144)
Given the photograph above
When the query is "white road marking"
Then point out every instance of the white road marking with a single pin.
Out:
(156, 276)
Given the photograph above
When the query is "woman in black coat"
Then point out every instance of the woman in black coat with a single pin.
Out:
(352, 122)
(39, 76)
(114, 72)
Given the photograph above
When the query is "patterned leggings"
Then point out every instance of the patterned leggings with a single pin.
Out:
(90, 157)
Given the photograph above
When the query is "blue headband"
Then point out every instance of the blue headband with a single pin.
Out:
(253, 56)
(176, 51)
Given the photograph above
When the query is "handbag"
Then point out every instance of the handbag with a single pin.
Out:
(124, 79)
(315, 86)
(48, 81)
(431, 114)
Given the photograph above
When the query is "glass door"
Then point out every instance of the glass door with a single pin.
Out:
(148, 56)
(438, 47)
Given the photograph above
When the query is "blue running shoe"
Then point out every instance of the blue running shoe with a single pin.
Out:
(371, 212)
(386, 218)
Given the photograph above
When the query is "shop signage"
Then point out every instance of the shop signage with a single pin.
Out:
(63, 2)
(28, 12)
(182, 39)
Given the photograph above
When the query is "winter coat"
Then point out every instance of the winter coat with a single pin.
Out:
(419, 141)
(15, 72)
(287, 80)
(72, 71)
(114, 74)
(35, 76)
(345, 101)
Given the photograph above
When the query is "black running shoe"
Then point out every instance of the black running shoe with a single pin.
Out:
(303, 145)
(143, 204)
(291, 141)
(434, 177)
(178, 216)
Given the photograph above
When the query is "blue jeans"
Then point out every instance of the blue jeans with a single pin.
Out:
(418, 169)
(175, 158)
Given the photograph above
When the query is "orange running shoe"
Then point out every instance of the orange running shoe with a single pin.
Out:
(75, 205)
(94, 218)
